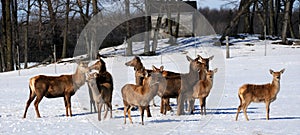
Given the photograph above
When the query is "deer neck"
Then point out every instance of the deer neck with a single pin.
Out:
(93, 85)
(138, 66)
(150, 87)
(209, 83)
(193, 76)
(78, 78)
(276, 85)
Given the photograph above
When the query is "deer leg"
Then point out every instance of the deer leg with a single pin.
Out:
(165, 102)
(110, 107)
(125, 112)
(31, 98)
(153, 102)
(99, 110)
(245, 106)
(126, 107)
(36, 105)
(239, 109)
(180, 104)
(106, 109)
(142, 113)
(148, 111)
(92, 101)
(191, 106)
(161, 106)
(68, 107)
(201, 105)
(204, 105)
(168, 107)
(129, 114)
(268, 108)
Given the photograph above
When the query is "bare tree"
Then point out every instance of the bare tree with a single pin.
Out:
(64, 50)
(234, 21)
(7, 35)
(271, 18)
(285, 22)
(128, 35)
(147, 20)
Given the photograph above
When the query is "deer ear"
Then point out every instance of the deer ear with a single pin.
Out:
(215, 70)
(154, 68)
(271, 71)
(189, 58)
(211, 57)
(161, 68)
(146, 74)
(282, 70)
(198, 56)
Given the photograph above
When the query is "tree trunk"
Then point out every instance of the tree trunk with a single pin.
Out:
(277, 14)
(53, 23)
(95, 7)
(251, 23)
(65, 42)
(266, 18)
(26, 35)
(156, 31)
(85, 17)
(285, 22)
(271, 17)
(15, 34)
(6, 15)
(40, 38)
(292, 33)
(262, 20)
(128, 37)
(147, 20)
(177, 25)
(234, 21)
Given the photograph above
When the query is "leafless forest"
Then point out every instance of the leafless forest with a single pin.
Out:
(32, 29)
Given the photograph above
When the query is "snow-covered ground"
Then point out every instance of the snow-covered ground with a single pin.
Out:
(246, 65)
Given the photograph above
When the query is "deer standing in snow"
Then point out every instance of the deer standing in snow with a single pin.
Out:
(259, 93)
(141, 95)
(202, 89)
(56, 86)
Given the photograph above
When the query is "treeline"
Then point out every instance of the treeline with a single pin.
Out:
(32, 29)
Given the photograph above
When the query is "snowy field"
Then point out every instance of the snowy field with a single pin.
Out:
(246, 65)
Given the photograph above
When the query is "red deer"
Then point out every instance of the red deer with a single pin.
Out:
(205, 65)
(202, 76)
(104, 83)
(141, 95)
(165, 94)
(56, 86)
(101, 96)
(259, 93)
(202, 89)
(188, 80)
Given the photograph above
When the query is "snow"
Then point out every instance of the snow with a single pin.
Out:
(247, 64)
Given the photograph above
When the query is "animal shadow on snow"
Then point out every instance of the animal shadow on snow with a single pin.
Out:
(78, 114)
(279, 118)
(219, 111)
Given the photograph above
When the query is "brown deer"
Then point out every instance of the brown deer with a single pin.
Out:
(259, 93)
(188, 80)
(202, 75)
(141, 95)
(56, 86)
(205, 65)
(202, 89)
(102, 95)
(138, 66)
(167, 90)
(104, 81)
